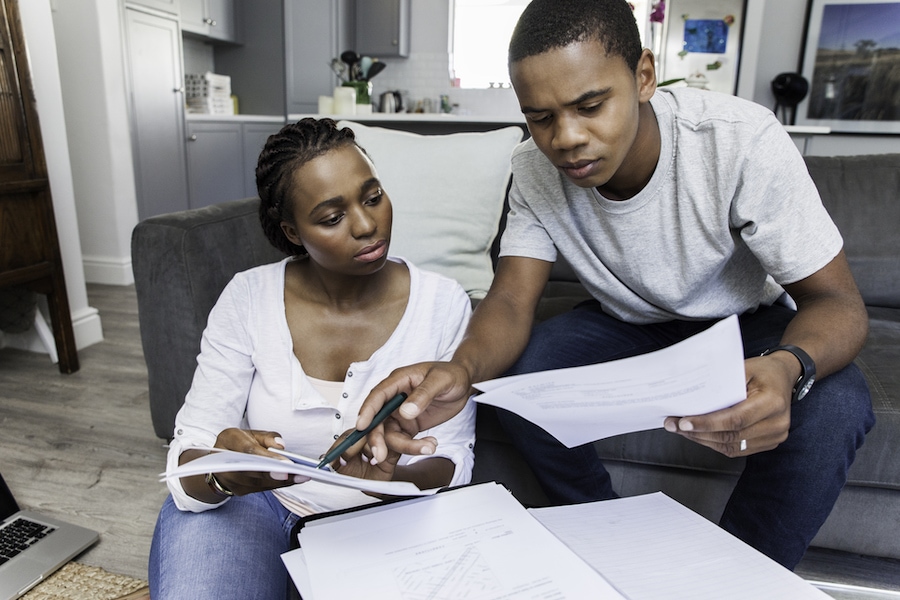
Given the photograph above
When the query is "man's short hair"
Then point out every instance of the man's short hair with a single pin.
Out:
(549, 24)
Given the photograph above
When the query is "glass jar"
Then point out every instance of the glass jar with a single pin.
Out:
(363, 90)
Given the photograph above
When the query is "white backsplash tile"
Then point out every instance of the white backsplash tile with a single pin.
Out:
(427, 75)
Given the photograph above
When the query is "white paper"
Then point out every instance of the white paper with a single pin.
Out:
(699, 375)
(295, 563)
(475, 542)
(224, 461)
(652, 547)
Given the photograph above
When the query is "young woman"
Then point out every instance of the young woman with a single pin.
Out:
(290, 351)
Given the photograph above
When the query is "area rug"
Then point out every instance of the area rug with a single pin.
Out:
(75, 581)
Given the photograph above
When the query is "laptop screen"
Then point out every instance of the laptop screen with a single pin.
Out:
(8, 505)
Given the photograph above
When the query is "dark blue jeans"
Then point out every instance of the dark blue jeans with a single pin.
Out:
(782, 497)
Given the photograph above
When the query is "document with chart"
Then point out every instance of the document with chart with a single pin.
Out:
(699, 375)
(476, 542)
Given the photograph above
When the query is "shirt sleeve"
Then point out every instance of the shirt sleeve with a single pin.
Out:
(220, 388)
(456, 437)
(456, 442)
(524, 234)
(778, 210)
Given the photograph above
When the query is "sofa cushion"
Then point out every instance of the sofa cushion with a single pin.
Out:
(448, 193)
(182, 262)
(876, 463)
(860, 193)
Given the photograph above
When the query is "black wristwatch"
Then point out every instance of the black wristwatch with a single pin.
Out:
(807, 372)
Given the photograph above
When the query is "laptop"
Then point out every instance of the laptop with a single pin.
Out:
(33, 546)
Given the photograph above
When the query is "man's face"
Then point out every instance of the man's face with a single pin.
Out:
(582, 109)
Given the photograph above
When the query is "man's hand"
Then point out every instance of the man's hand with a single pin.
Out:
(757, 424)
(436, 391)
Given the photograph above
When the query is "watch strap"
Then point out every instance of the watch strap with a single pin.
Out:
(807, 370)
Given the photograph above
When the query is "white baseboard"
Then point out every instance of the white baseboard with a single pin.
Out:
(107, 271)
(86, 326)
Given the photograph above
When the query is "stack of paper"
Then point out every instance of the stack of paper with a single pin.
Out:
(479, 543)
(473, 542)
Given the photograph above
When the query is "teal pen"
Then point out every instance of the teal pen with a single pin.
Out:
(392, 405)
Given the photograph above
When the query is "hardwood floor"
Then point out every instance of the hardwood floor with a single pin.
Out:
(82, 447)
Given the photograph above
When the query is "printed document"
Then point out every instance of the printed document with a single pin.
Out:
(699, 375)
(477, 542)
(652, 547)
(474, 542)
(223, 461)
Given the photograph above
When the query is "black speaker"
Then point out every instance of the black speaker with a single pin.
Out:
(789, 89)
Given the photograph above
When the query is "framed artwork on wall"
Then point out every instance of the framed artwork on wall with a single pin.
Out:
(851, 58)
(697, 41)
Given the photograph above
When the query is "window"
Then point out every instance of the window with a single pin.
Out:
(481, 32)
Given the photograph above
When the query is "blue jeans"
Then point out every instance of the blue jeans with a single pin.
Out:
(782, 497)
(233, 551)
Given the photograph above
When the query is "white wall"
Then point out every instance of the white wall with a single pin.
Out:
(39, 37)
(92, 68)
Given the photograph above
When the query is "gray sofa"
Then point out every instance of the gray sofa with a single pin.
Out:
(183, 260)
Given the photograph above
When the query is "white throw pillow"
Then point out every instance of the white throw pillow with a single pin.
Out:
(448, 193)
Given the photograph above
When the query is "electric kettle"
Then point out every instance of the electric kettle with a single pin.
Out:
(390, 102)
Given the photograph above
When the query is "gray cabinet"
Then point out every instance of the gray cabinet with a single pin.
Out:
(282, 66)
(382, 27)
(209, 19)
(255, 136)
(215, 162)
(156, 85)
(311, 41)
(222, 157)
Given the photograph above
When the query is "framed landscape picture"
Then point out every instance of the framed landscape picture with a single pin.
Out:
(851, 58)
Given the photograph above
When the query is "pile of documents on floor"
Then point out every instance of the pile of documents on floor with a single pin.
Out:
(208, 94)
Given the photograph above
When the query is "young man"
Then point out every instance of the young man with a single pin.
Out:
(676, 208)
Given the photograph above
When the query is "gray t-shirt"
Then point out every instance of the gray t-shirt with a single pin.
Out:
(729, 211)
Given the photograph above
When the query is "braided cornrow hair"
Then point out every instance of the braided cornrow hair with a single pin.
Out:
(284, 152)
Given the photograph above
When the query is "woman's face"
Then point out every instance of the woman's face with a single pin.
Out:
(340, 214)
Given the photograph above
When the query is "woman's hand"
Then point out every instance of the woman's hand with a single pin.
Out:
(358, 460)
(248, 441)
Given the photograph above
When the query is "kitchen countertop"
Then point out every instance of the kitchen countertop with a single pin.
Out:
(373, 117)
(421, 118)
(236, 118)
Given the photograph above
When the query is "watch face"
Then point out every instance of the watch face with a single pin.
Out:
(804, 389)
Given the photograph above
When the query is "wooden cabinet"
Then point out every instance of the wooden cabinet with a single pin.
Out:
(209, 19)
(29, 247)
(382, 28)
(156, 84)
